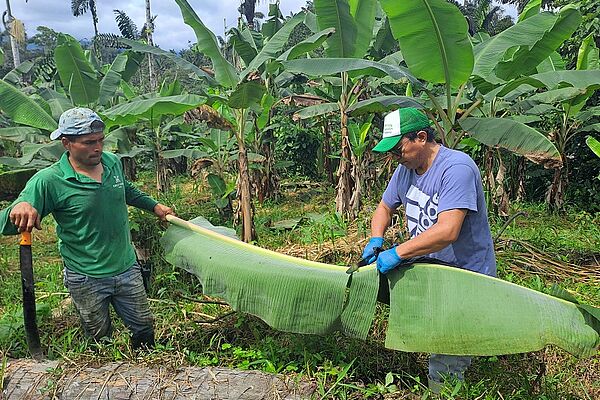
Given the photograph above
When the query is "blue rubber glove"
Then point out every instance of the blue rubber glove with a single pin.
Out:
(369, 252)
(388, 260)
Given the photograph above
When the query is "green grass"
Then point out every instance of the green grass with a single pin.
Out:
(342, 368)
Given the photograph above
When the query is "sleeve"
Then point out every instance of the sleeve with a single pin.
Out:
(458, 189)
(135, 197)
(35, 193)
(391, 197)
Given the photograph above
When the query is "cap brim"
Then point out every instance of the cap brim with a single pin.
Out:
(386, 144)
(56, 134)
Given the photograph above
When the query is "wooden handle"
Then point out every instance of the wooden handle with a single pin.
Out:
(25, 239)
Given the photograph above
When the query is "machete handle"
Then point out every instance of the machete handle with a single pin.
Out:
(363, 262)
(25, 239)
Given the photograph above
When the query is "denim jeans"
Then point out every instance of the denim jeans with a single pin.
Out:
(125, 292)
(442, 366)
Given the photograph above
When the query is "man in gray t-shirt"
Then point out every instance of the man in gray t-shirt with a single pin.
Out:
(443, 198)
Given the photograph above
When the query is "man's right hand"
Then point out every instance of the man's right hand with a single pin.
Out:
(368, 254)
(25, 217)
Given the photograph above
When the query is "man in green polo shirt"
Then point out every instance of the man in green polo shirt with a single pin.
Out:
(87, 194)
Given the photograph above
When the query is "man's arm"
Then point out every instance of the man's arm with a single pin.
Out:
(137, 198)
(441, 234)
(381, 220)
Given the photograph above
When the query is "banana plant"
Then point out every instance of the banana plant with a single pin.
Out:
(79, 83)
(353, 22)
(565, 94)
(212, 156)
(243, 91)
(154, 111)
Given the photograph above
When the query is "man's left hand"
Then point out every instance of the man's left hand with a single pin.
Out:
(161, 211)
(388, 260)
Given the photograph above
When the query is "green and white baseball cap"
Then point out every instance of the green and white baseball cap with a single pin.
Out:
(397, 124)
(78, 121)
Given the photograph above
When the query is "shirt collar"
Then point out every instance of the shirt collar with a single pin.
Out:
(69, 172)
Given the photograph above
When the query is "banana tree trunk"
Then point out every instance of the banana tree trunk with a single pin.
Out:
(501, 194)
(149, 31)
(358, 177)
(14, 46)
(327, 164)
(162, 167)
(244, 193)
(555, 196)
(345, 182)
(162, 174)
(520, 180)
(264, 179)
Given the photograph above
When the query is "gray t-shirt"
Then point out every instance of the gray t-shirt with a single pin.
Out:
(453, 181)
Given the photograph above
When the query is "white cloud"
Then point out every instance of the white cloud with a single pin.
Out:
(170, 30)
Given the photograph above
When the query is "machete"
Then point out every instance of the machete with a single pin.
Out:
(363, 262)
(29, 313)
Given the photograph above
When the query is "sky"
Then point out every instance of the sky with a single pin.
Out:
(170, 31)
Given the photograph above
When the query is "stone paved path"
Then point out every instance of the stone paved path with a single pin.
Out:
(49, 380)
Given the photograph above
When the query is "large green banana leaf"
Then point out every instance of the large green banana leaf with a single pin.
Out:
(439, 309)
(23, 109)
(520, 48)
(363, 13)
(50, 151)
(532, 8)
(180, 62)
(584, 79)
(588, 56)
(112, 80)
(333, 66)
(382, 104)
(554, 62)
(288, 293)
(433, 36)
(353, 23)
(130, 112)
(58, 102)
(307, 45)
(246, 94)
(432, 308)
(274, 46)
(317, 109)
(514, 136)
(244, 44)
(593, 144)
(77, 74)
(225, 73)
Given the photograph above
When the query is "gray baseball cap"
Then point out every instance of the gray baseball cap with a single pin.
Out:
(78, 121)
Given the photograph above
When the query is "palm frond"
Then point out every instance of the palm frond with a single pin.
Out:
(126, 25)
(109, 40)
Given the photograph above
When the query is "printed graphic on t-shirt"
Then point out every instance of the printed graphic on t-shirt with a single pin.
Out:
(118, 182)
(421, 210)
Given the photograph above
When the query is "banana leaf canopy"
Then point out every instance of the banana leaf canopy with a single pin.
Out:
(433, 308)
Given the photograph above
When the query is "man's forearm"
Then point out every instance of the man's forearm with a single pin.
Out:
(442, 234)
(432, 240)
(382, 217)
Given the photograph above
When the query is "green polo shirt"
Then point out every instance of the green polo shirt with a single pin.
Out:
(91, 217)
